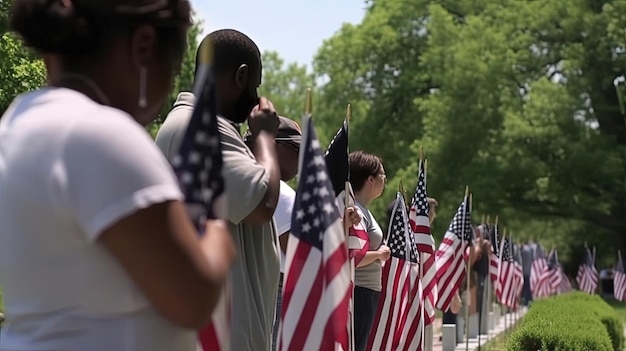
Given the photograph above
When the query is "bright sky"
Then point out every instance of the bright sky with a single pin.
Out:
(293, 28)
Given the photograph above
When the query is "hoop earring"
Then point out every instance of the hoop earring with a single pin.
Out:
(143, 82)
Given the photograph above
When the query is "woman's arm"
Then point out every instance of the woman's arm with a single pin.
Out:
(181, 275)
(383, 253)
(123, 194)
(369, 258)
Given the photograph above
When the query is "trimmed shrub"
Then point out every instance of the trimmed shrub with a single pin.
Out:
(609, 318)
(570, 322)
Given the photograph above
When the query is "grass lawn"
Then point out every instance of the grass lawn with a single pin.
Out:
(499, 342)
(620, 307)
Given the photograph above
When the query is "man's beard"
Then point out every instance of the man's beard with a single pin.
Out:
(244, 106)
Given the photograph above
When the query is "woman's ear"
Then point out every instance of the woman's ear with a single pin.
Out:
(143, 45)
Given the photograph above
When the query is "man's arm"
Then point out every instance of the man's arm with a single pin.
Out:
(265, 154)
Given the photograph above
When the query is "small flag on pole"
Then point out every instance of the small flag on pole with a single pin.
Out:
(452, 255)
(420, 225)
(587, 277)
(619, 280)
(398, 323)
(198, 166)
(317, 286)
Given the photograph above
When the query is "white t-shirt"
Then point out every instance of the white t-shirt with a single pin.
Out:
(69, 169)
(282, 215)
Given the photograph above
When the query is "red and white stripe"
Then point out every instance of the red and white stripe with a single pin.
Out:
(587, 277)
(358, 239)
(506, 284)
(393, 328)
(494, 264)
(537, 268)
(316, 294)
(216, 336)
(451, 260)
(619, 280)
(398, 325)
(426, 248)
(519, 281)
(425, 243)
(549, 283)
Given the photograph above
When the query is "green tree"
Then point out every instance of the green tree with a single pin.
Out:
(184, 80)
(513, 98)
(20, 71)
(285, 84)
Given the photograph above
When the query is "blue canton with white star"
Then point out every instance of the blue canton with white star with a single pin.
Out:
(553, 260)
(419, 200)
(461, 224)
(314, 210)
(493, 238)
(506, 251)
(400, 235)
(199, 160)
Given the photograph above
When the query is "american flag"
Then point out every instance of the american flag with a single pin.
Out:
(519, 272)
(317, 286)
(619, 280)
(336, 157)
(494, 258)
(587, 277)
(550, 280)
(400, 307)
(506, 285)
(420, 225)
(537, 268)
(338, 166)
(198, 166)
(452, 255)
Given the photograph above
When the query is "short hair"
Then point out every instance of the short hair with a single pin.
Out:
(231, 49)
(362, 166)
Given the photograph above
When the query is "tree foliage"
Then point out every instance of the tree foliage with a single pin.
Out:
(513, 98)
(285, 84)
(20, 71)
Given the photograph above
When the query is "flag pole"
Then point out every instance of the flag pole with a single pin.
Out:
(467, 272)
(346, 200)
(491, 285)
(482, 302)
(619, 257)
(427, 338)
(506, 324)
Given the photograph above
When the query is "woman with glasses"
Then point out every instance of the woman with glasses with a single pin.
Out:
(367, 178)
(98, 252)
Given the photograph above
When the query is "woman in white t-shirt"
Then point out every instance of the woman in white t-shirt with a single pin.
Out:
(97, 251)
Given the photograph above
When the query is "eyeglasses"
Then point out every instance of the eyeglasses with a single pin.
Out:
(383, 176)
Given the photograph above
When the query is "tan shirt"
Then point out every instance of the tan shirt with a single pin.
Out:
(255, 275)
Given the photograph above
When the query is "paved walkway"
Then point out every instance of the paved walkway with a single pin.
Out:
(473, 342)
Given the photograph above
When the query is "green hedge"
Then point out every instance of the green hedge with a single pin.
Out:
(570, 322)
(610, 319)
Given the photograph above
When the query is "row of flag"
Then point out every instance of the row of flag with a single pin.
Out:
(321, 256)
